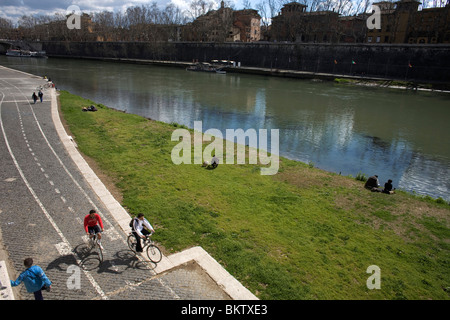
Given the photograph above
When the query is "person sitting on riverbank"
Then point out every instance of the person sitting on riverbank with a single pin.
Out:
(372, 184)
(91, 108)
(388, 188)
(214, 162)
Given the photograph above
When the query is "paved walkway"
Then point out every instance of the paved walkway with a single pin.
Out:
(46, 189)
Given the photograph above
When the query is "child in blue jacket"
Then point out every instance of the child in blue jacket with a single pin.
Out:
(34, 279)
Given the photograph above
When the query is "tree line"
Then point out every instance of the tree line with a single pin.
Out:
(151, 22)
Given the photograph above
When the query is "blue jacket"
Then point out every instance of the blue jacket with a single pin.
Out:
(34, 279)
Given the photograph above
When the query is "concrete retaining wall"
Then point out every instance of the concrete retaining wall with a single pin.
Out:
(430, 63)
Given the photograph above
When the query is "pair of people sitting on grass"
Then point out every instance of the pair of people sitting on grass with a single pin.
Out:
(373, 185)
(91, 108)
(214, 163)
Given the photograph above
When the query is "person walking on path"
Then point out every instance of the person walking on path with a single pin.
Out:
(41, 95)
(34, 279)
(34, 96)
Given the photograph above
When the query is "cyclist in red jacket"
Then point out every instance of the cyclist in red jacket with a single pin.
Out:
(93, 224)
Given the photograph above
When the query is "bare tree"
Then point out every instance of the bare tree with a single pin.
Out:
(5, 23)
(173, 15)
(200, 7)
(313, 5)
(6, 28)
(269, 9)
(361, 6)
(246, 4)
(435, 3)
(262, 9)
(343, 7)
(105, 25)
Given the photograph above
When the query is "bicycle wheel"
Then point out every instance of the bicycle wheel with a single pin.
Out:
(131, 241)
(100, 252)
(89, 245)
(153, 253)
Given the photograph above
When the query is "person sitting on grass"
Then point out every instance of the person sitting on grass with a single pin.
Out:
(372, 184)
(388, 188)
(214, 162)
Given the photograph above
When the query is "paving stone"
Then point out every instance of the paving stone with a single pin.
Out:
(43, 200)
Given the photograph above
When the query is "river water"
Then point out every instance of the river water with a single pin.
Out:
(396, 134)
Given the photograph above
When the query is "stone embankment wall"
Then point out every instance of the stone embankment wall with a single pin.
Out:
(430, 63)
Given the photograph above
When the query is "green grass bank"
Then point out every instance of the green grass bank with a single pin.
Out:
(300, 234)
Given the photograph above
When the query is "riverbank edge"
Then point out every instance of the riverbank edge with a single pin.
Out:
(360, 176)
(109, 193)
(402, 194)
(378, 82)
(351, 180)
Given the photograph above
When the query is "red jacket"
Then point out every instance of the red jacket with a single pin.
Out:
(91, 222)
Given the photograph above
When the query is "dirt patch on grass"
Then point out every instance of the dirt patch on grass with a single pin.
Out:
(400, 213)
(312, 177)
(420, 209)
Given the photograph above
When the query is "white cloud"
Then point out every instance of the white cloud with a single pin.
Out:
(182, 4)
(14, 9)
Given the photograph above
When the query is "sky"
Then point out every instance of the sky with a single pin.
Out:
(14, 9)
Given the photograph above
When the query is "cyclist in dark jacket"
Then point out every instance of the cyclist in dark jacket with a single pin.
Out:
(141, 228)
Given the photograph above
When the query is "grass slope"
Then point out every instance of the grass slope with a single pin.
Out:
(300, 234)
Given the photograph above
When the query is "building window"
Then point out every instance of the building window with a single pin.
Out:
(378, 39)
(369, 39)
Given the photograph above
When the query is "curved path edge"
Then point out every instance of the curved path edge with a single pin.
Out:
(223, 278)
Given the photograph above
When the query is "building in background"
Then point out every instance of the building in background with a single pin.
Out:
(402, 22)
(224, 25)
(296, 24)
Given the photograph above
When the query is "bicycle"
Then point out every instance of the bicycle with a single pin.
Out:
(94, 242)
(46, 86)
(153, 252)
